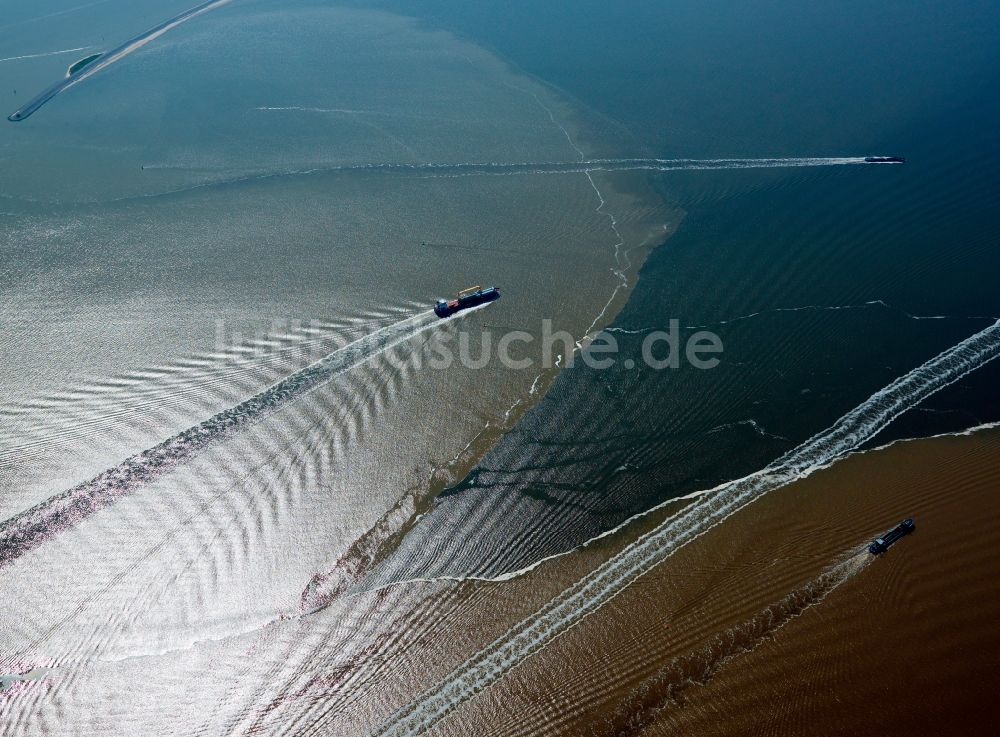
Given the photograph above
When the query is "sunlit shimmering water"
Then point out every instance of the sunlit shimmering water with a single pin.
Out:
(276, 546)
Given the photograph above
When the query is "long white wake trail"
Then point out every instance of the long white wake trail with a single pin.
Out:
(32, 527)
(585, 166)
(45, 53)
(596, 589)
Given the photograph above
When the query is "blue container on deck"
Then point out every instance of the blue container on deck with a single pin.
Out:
(466, 298)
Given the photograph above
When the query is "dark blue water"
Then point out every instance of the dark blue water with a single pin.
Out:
(824, 285)
(713, 78)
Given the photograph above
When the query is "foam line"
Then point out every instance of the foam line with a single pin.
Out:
(511, 575)
(601, 585)
(301, 109)
(45, 53)
(804, 308)
(619, 268)
(31, 528)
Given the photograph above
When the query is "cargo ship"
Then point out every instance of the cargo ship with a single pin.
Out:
(466, 298)
(884, 160)
(881, 544)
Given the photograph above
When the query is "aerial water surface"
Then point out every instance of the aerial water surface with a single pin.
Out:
(233, 479)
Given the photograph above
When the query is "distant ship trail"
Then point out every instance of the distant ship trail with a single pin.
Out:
(45, 53)
(133, 44)
(582, 166)
(29, 529)
(605, 582)
(506, 169)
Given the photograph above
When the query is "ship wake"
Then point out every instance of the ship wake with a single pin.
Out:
(30, 528)
(708, 510)
(666, 688)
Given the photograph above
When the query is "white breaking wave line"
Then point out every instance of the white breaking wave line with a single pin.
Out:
(560, 126)
(805, 308)
(605, 582)
(46, 53)
(619, 268)
(752, 423)
(301, 109)
(517, 573)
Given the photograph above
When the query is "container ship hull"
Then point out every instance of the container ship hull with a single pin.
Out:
(466, 298)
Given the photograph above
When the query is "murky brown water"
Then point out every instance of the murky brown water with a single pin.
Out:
(778, 621)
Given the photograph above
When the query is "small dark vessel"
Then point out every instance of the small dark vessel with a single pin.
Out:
(466, 298)
(884, 160)
(881, 544)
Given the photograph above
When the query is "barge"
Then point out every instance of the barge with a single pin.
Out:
(881, 544)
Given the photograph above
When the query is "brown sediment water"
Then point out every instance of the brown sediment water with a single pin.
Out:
(775, 622)
(779, 622)
(907, 647)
